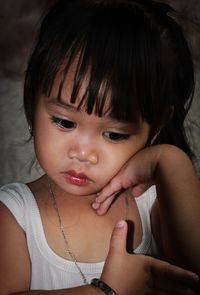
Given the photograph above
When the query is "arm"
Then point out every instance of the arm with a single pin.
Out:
(133, 274)
(178, 206)
(15, 268)
(125, 273)
(83, 290)
(178, 190)
(14, 257)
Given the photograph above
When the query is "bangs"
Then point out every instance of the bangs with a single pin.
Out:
(120, 64)
(132, 55)
(118, 47)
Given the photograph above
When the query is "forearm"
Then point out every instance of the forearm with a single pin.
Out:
(178, 190)
(83, 290)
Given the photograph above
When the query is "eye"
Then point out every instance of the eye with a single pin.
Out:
(63, 123)
(116, 136)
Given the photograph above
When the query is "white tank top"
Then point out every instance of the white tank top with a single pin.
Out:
(48, 270)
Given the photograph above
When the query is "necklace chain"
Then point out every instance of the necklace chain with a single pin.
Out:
(68, 248)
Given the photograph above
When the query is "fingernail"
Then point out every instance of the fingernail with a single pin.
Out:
(120, 224)
(95, 205)
(96, 199)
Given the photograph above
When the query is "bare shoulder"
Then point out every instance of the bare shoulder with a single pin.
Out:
(14, 257)
(39, 187)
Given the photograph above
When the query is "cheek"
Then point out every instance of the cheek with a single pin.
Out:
(116, 159)
(46, 146)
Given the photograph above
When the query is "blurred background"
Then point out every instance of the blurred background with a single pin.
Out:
(19, 22)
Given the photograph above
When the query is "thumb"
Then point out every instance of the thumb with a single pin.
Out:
(118, 238)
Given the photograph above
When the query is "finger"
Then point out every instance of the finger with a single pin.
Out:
(111, 189)
(166, 270)
(164, 286)
(139, 189)
(173, 291)
(118, 238)
(103, 207)
(97, 204)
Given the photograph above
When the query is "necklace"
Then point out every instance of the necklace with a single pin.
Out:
(61, 227)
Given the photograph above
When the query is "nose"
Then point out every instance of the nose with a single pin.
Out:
(83, 153)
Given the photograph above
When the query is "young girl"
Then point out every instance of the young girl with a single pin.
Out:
(107, 90)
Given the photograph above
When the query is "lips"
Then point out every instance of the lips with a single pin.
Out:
(76, 178)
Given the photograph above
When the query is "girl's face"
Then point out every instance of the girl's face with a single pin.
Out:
(81, 153)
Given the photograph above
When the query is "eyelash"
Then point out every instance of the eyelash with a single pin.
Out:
(112, 136)
(63, 123)
(116, 136)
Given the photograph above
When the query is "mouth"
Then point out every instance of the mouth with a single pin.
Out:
(76, 178)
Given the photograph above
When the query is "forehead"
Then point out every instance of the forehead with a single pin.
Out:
(66, 90)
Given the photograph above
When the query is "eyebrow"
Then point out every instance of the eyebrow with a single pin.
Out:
(63, 104)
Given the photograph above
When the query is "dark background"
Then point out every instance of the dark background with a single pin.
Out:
(19, 21)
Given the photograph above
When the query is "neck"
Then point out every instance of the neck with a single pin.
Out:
(71, 198)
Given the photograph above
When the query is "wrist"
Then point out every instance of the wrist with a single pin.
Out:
(103, 287)
(96, 291)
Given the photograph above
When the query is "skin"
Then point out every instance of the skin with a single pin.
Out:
(176, 209)
(85, 144)
(87, 147)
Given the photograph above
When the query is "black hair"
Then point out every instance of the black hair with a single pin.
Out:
(134, 52)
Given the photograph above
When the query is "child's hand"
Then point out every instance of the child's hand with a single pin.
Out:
(133, 274)
(138, 173)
